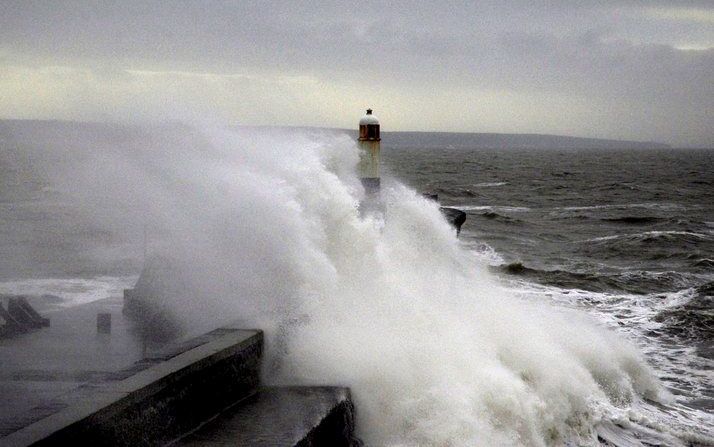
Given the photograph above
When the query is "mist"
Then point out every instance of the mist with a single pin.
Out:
(264, 227)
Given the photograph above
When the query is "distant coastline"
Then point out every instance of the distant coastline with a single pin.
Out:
(400, 139)
(508, 140)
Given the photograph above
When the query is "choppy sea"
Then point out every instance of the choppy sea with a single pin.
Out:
(626, 235)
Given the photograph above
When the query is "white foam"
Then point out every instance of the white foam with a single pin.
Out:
(664, 206)
(648, 233)
(435, 351)
(687, 374)
(512, 209)
(483, 251)
(72, 291)
(490, 184)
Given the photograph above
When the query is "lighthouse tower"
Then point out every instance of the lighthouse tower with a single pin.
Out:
(369, 152)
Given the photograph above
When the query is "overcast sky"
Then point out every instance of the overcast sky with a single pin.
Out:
(640, 70)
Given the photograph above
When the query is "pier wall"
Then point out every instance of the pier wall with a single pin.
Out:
(157, 404)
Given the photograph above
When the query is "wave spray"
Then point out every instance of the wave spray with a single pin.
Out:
(267, 228)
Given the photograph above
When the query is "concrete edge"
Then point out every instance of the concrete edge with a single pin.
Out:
(107, 402)
(337, 427)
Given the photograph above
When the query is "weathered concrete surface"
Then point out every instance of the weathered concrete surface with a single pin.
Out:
(68, 384)
(160, 403)
(283, 416)
(37, 367)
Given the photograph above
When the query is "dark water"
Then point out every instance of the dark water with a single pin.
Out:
(626, 234)
(632, 222)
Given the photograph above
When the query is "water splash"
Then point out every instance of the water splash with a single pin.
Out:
(267, 229)
(392, 306)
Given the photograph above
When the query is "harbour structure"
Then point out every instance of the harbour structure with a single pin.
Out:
(135, 379)
(369, 168)
(369, 144)
(76, 384)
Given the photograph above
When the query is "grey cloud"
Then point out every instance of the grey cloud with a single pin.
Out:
(610, 52)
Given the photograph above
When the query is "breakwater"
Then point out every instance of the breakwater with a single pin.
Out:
(113, 389)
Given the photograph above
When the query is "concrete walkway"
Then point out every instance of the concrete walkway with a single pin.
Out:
(37, 367)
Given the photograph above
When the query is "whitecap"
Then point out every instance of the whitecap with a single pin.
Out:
(71, 291)
(648, 233)
(490, 184)
(512, 209)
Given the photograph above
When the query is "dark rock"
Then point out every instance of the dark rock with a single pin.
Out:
(454, 216)
(516, 268)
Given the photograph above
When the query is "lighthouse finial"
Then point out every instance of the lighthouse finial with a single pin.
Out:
(369, 111)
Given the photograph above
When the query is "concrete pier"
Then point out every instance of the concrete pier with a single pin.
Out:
(69, 385)
(283, 416)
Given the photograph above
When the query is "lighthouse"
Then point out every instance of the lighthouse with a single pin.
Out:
(369, 152)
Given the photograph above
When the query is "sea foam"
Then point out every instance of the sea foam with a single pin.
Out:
(387, 303)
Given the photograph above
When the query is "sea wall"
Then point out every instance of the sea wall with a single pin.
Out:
(157, 404)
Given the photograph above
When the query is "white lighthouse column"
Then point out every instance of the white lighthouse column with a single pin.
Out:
(369, 152)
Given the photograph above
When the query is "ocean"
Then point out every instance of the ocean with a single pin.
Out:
(578, 274)
(626, 235)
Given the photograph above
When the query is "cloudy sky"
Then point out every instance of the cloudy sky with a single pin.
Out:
(640, 70)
